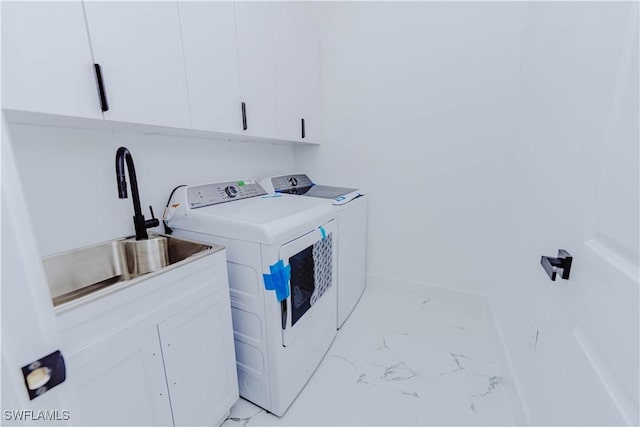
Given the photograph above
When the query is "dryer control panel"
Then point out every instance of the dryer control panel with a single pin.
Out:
(288, 182)
(213, 194)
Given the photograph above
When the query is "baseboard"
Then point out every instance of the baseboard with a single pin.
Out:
(521, 409)
(380, 280)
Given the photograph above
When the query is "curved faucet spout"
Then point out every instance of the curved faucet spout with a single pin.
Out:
(123, 155)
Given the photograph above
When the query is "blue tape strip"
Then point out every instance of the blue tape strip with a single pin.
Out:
(323, 232)
(278, 280)
(271, 196)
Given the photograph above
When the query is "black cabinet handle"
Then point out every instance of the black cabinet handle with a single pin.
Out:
(303, 132)
(244, 116)
(104, 105)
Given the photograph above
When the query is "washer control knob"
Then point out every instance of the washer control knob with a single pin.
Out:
(231, 191)
(293, 181)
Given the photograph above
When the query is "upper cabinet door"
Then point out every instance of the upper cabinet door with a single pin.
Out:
(211, 57)
(254, 30)
(310, 100)
(289, 48)
(138, 47)
(297, 76)
(46, 59)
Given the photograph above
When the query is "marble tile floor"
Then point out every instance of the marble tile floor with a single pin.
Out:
(408, 355)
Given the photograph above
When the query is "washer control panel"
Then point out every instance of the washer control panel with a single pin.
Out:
(213, 194)
(287, 182)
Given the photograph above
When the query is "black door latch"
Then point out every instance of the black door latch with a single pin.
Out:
(561, 264)
(44, 374)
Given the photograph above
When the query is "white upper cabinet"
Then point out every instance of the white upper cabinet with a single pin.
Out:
(311, 80)
(246, 68)
(139, 49)
(297, 60)
(254, 30)
(211, 58)
(46, 59)
(289, 49)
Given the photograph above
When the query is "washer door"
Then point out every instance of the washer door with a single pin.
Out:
(311, 260)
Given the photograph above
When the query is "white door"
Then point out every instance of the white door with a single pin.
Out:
(254, 29)
(120, 381)
(604, 286)
(138, 47)
(46, 59)
(29, 327)
(211, 59)
(200, 361)
(589, 325)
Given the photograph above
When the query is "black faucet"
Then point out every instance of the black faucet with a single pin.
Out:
(139, 222)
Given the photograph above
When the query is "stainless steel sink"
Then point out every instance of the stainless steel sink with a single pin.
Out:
(81, 272)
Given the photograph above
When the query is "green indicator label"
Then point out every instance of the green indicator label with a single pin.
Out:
(240, 183)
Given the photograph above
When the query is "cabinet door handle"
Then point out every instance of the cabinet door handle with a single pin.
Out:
(104, 104)
(303, 132)
(244, 116)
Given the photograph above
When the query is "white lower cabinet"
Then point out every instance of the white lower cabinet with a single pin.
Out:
(197, 356)
(120, 381)
(158, 353)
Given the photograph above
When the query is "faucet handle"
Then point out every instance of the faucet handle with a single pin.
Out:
(153, 222)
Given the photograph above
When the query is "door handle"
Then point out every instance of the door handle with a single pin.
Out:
(283, 311)
(561, 264)
(244, 115)
(104, 104)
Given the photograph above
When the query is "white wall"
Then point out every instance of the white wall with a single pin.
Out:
(487, 135)
(418, 111)
(70, 182)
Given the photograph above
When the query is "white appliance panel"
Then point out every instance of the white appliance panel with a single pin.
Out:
(258, 232)
(352, 255)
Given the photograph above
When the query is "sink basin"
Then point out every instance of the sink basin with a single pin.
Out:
(74, 274)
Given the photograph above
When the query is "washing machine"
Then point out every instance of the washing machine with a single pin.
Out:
(281, 260)
(351, 213)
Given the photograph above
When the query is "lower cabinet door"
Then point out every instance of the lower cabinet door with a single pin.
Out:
(120, 381)
(199, 357)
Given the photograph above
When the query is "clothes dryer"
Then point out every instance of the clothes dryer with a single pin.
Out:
(281, 260)
(351, 214)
